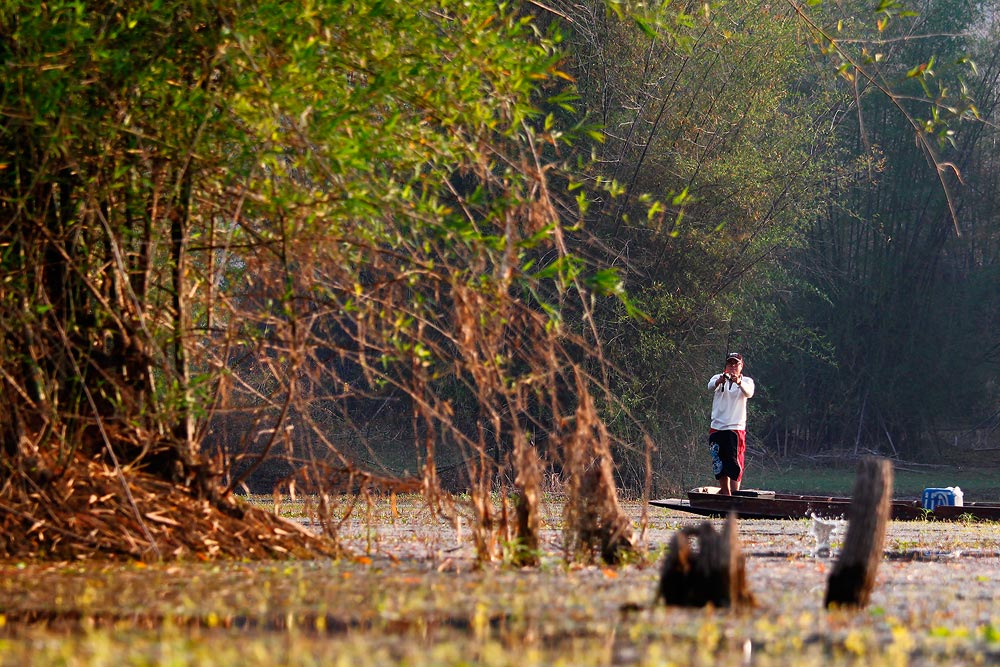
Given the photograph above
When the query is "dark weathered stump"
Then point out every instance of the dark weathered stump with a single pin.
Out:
(705, 567)
(853, 576)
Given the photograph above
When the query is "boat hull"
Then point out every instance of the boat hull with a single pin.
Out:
(753, 504)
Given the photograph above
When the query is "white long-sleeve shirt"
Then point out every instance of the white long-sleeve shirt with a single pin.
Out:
(729, 403)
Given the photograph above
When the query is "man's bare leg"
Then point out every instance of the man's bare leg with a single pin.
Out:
(734, 485)
(724, 486)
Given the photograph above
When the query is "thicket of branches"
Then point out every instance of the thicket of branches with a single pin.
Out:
(237, 236)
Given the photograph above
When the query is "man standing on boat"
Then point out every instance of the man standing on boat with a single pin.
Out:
(727, 438)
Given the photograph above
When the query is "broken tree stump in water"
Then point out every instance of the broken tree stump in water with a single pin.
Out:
(705, 567)
(853, 576)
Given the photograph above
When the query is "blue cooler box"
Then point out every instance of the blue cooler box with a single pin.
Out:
(936, 497)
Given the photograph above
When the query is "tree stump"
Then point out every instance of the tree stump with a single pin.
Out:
(705, 567)
(853, 576)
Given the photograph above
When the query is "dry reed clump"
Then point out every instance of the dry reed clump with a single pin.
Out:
(89, 509)
(527, 506)
(594, 520)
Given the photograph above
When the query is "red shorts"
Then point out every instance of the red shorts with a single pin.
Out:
(729, 452)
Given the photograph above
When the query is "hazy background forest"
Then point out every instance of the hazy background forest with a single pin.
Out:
(339, 247)
(843, 239)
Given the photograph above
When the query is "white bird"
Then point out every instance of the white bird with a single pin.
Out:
(821, 530)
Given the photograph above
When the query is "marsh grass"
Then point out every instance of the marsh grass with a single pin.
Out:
(412, 594)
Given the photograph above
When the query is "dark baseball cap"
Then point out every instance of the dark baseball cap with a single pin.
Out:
(734, 356)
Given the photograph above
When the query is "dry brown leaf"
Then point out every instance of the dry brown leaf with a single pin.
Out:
(159, 518)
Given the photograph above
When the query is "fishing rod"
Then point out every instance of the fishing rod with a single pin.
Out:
(729, 337)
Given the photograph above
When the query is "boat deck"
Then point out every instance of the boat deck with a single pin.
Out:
(759, 504)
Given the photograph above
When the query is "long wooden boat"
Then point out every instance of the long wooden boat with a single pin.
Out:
(757, 504)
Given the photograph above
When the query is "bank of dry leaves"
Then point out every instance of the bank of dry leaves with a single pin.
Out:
(91, 509)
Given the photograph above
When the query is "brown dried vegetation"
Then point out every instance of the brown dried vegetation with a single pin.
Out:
(90, 509)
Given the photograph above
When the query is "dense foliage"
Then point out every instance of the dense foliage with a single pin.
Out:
(272, 227)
